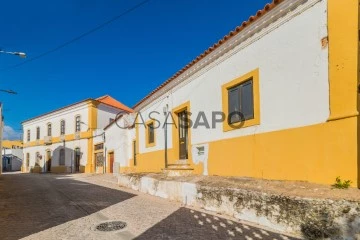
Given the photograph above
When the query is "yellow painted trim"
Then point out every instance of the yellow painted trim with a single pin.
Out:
(290, 154)
(225, 100)
(59, 169)
(68, 138)
(147, 144)
(343, 117)
(343, 29)
(175, 133)
(92, 115)
(9, 143)
(92, 125)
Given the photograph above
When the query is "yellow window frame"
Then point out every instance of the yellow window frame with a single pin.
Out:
(254, 75)
(147, 124)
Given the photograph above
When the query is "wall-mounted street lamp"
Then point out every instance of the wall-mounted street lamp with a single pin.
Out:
(20, 54)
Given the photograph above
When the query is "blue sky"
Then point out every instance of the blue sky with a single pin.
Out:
(126, 59)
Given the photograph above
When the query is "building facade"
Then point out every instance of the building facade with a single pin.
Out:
(12, 159)
(12, 155)
(1, 134)
(62, 140)
(290, 75)
(119, 144)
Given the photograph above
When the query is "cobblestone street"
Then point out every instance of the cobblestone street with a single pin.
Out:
(46, 206)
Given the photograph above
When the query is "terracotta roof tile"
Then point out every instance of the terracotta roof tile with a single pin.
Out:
(114, 103)
(268, 7)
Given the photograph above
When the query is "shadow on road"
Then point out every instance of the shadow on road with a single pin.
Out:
(189, 224)
(30, 203)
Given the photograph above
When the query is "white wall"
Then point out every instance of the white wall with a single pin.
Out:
(120, 141)
(105, 112)
(55, 118)
(55, 150)
(293, 70)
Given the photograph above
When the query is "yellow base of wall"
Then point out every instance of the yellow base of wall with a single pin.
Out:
(59, 169)
(317, 153)
(36, 170)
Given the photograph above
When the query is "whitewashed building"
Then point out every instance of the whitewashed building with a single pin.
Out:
(1, 134)
(12, 159)
(63, 140)
(292, 70)
(119, 140)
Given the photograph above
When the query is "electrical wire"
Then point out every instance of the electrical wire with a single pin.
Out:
(78, 37)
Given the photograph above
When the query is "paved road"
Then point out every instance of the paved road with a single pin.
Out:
(45, 206)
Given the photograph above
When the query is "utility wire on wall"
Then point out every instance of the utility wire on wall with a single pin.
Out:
(78, 37)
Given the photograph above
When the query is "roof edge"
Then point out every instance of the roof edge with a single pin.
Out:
(267, 8)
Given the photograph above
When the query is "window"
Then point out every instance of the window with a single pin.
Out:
(62, 127)
(150, 134)
(77, 124)
(37, 133)
(62, 157)
(27, 159)
(49, 129)
(99, 146)
(28, 135)
(240, 102)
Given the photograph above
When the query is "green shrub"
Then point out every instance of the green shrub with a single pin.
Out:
(340, 184)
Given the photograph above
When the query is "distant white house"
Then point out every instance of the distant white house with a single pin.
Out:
(118, 139)
(63, 140)
(12, 159)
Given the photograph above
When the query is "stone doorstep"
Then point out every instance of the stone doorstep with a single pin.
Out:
(174, 170)
(296, 216)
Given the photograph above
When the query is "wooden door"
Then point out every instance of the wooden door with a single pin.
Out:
(183, 135)
(111, 162)
(77, 159)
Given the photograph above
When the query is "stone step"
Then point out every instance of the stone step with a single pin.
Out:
(176, 166)
(183, 170)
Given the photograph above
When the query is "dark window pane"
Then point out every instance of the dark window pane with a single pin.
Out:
(234, 103)
(247, 100)
(151, 133)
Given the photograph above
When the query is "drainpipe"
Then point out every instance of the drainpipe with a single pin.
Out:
(165, 109)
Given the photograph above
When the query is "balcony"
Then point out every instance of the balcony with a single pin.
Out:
(47, 140)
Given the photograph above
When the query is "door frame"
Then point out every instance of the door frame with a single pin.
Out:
(175, 131)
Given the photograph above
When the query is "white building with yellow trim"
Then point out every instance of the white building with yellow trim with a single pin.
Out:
(292, 70)
(62, 140)
(1, 134)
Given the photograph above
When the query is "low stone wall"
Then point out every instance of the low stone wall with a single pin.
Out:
(304, 217)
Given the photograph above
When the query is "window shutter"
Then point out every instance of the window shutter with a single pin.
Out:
(247, 100)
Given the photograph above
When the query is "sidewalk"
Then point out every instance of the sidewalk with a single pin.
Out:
(299, 208)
